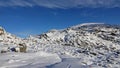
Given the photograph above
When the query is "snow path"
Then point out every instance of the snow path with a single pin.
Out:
(28, 60)
(68, 62)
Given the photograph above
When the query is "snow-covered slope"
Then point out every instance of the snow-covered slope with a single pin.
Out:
(84, 35)
(88, 45)
(97, 45)
(8, 39)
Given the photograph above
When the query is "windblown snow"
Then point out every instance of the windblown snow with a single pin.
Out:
(88, 45)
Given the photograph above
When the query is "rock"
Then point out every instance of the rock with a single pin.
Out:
(22, 47)
(2, 51)
(93, 53)
(1, 31)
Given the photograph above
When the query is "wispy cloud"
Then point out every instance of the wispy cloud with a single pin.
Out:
(61, 3)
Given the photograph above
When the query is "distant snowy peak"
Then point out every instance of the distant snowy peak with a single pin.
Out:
(90, 24)
(87, 24)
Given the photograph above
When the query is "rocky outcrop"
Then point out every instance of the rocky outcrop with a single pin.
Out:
(2, 31)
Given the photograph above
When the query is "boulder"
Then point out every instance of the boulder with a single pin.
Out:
(22, 47)
(1, 31)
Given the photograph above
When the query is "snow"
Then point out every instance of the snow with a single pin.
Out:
(28, 60)
(86, 24)
(68, 62)
(90, 24)
(76, 47)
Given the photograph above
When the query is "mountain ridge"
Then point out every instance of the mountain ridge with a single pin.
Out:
(108, 33)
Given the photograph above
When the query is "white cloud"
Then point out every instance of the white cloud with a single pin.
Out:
(61, 3)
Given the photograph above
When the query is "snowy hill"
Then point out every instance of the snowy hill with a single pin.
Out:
(84, 35)
(8, 39)
(88, 45)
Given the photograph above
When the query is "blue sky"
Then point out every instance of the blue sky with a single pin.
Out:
(31, 17)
